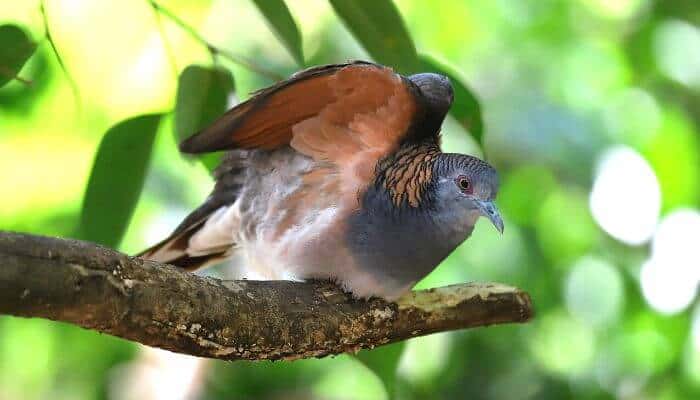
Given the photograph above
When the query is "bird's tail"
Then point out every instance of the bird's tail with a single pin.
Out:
(188, 248)
(207, 235)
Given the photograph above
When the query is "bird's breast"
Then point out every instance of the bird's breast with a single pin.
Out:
(293, 217)
(400, 245)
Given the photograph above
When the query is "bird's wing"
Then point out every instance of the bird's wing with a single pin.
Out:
(346, 115)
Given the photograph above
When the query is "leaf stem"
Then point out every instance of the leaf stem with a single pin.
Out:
(166, 43)
(214, 50)
(71, 82)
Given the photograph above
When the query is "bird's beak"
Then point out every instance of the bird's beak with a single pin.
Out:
(488, 209)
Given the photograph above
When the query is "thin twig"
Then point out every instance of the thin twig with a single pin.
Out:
(214, 50)
(71, 82)
(166, 43)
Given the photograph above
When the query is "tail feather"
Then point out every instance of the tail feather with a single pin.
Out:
(176, 250)
(206, 236)
(193, 263)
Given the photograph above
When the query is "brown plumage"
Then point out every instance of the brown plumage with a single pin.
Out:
(348, 116)
(408, 173)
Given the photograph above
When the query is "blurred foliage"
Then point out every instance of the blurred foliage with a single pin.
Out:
(202, 96)
(378, 26)
(384, 361)
(106, 89)
(278, 16)
(116, 179)
(465, 108)
(16, 50)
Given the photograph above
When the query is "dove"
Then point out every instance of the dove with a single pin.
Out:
(335, 174)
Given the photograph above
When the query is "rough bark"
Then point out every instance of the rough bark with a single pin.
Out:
(158, 305)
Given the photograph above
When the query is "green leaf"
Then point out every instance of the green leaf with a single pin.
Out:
(202, 97)
(384, 361)
(282, 23)
(378, 26)
(465, 109)
(15, 50)
(116, 179)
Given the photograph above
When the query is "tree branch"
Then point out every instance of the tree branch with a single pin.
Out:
(159, 305)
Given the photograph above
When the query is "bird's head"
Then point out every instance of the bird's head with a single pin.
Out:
(467, 188)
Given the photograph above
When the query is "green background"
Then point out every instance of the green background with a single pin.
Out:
(590, 111)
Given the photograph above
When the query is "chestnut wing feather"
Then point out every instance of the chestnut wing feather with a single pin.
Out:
(348, 116)
(340, 92)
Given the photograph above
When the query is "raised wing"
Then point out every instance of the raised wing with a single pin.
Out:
(349, 115)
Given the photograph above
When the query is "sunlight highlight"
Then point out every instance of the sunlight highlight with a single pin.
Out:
(594, 292)
(695, 329)
(159, 375)
(625, 199)
(670, 277)
(149, 75)
(639, 103)
(677, 51)
(617, 9)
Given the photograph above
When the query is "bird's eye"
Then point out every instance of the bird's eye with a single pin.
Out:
(464, 184)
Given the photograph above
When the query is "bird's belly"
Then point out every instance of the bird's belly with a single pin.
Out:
(290, 222)
(327, 258)
(312, 248)
(315, 249)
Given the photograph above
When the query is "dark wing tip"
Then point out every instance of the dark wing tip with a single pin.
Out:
(321, 69)
(218, 135)
(436, 89)
(188, 146)
(201, 143)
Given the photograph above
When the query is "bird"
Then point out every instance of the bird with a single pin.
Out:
(335, 174)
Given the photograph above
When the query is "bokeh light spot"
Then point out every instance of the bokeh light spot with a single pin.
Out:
(677, 51)
(351, 378)
(617, 9)
(625, 199)
(425, 357)
(695, 329)
(158, 375)
(676, 240)
(670, 277)
(563, 345)
(589, 71)
(632, 116)
(666, 288)
(594, 292)
(691, 358)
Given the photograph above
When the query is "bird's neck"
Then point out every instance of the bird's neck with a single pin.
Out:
(404, 241)
(407, 174)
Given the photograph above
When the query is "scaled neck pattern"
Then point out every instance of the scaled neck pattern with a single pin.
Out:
(408, 172)
(399, 229)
